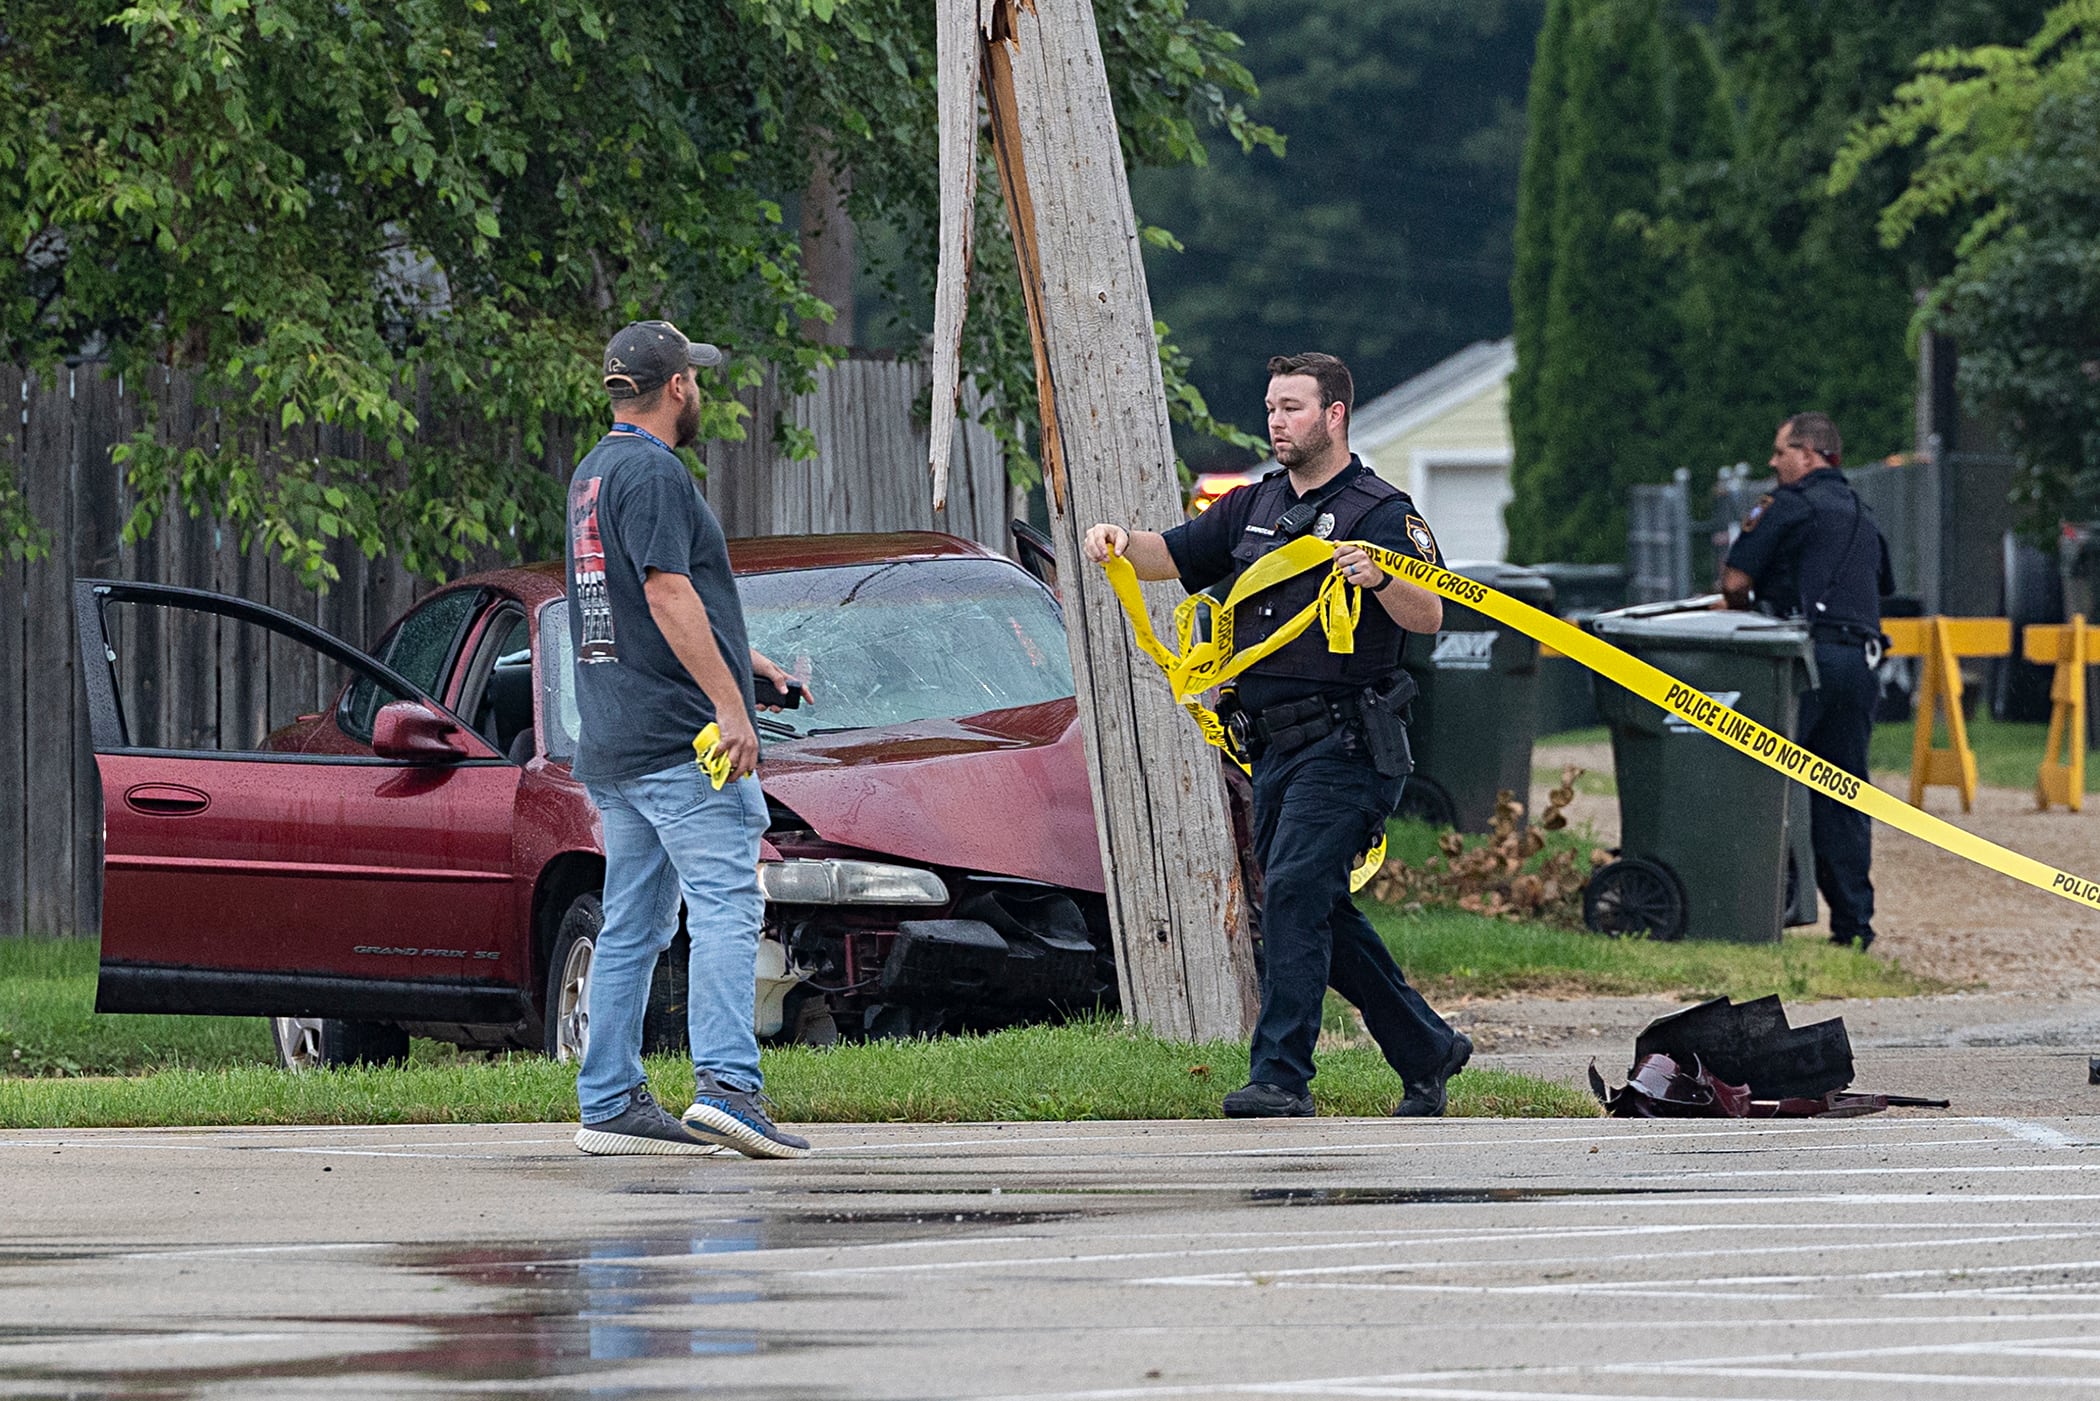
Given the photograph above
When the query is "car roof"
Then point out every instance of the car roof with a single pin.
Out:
(538, 583)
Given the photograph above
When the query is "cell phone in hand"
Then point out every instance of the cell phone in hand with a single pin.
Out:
(763, 693)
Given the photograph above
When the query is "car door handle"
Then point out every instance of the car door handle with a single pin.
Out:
(166, 800)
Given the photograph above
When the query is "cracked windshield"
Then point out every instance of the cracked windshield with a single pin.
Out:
(886, 644)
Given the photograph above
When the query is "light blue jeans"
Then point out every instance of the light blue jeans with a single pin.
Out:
(667, 834)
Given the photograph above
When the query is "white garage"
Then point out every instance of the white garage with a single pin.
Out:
(1443, 437)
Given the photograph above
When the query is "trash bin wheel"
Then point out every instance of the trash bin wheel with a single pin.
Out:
(1424, 800)
(1634, 895)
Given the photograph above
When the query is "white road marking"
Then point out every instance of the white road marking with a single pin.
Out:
(1376, 1242)
(1930, 1170)
(1451, 1383)
(2041, 1135)
(207, 1252)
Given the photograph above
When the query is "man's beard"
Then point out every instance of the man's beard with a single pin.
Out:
(688, 423)
(1314, 443)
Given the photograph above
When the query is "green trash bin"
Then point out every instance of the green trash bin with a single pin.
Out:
(1704, 839)
(1801, 907)
(1475, 717)
(1580, 592)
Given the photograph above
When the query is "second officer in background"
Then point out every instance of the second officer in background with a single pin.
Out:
(1325, 733)
(1811, 550)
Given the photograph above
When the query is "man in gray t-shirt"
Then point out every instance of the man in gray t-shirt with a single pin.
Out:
(661, 654)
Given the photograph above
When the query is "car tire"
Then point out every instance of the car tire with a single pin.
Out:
(324, 1043)
(567, 1016)
(809, 1021)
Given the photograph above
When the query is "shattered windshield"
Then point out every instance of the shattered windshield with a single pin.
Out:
(924, 639)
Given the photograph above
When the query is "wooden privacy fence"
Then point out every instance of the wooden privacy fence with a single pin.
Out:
(56, 433)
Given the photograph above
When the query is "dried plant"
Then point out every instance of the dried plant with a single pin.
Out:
(1507, 874)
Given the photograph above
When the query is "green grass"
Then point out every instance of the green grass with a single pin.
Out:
(1595, 783)
(2006, 752)
(1594, 734)
(77, 1068)
(49, 1026)
(1090, 1070)
(1415, 842)
(1450, 953)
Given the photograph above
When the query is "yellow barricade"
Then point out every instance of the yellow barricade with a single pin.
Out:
(2061, 776)
(1200, 665)
(1942, 642)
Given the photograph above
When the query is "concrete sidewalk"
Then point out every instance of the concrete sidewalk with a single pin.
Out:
(1901, 1255)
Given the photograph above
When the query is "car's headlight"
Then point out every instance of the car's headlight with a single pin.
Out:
(849, 883)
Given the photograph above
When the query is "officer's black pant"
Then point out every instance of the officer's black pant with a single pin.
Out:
(1837, 719)
(1316, 810)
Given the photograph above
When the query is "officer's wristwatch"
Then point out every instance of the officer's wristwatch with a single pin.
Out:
(1384, 578)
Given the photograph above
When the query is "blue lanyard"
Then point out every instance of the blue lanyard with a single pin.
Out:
(643, 433)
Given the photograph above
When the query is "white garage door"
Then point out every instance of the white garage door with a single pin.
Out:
(1464, 504)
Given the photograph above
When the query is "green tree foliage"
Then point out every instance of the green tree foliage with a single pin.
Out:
(2010, 183)
(1768, 293)
(418, 220)
(1607, 335)
(1825, 302)
(1531, 275)
(1383, 234)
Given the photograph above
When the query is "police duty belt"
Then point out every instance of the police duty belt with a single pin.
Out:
(1200, 665)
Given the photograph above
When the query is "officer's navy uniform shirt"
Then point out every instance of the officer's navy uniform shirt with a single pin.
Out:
(1815, 543)
(1812, 549)
(1202, 550)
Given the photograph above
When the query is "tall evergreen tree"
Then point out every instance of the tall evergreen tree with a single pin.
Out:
(1609, 329)
(1683, 280)
(1531, 278)
(1804, 307)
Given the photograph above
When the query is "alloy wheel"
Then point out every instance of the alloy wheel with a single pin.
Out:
(298, 1042)
(572, 1002)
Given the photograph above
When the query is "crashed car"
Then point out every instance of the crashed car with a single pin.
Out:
(365, 847)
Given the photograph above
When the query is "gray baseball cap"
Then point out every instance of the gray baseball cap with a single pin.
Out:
(646, 354)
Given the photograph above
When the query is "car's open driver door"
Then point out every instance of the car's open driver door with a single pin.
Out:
(262, 859)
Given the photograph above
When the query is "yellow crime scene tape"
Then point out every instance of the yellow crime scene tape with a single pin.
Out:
(1200, 664)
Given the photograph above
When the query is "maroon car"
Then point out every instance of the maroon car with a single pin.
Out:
(368, 846)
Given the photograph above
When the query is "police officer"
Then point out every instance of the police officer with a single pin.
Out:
(1811, 550)
(1324, 732)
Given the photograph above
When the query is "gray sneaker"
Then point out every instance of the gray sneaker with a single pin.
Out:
(738, 1119)
(642, 1127)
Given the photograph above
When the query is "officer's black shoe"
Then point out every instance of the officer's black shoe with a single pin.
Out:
(1258, 1099)
(1426, 1100)
(1862, 941)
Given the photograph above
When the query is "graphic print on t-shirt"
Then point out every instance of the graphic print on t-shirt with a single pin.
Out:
(593, 605)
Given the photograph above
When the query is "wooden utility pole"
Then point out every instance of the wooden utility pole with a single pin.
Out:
(1184, 957)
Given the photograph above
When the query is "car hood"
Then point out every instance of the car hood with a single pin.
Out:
(1004, 793)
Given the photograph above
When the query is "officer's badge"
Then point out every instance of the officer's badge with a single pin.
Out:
(1757, 513)
(1323, 528)
(1425, 543)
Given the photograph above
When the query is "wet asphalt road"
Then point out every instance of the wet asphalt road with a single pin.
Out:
(1909, 1254)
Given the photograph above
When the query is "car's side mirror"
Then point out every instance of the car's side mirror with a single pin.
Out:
(411, 730)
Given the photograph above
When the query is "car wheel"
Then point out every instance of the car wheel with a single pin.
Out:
(809, 1021)
(568, 1006)
(321, 1043)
